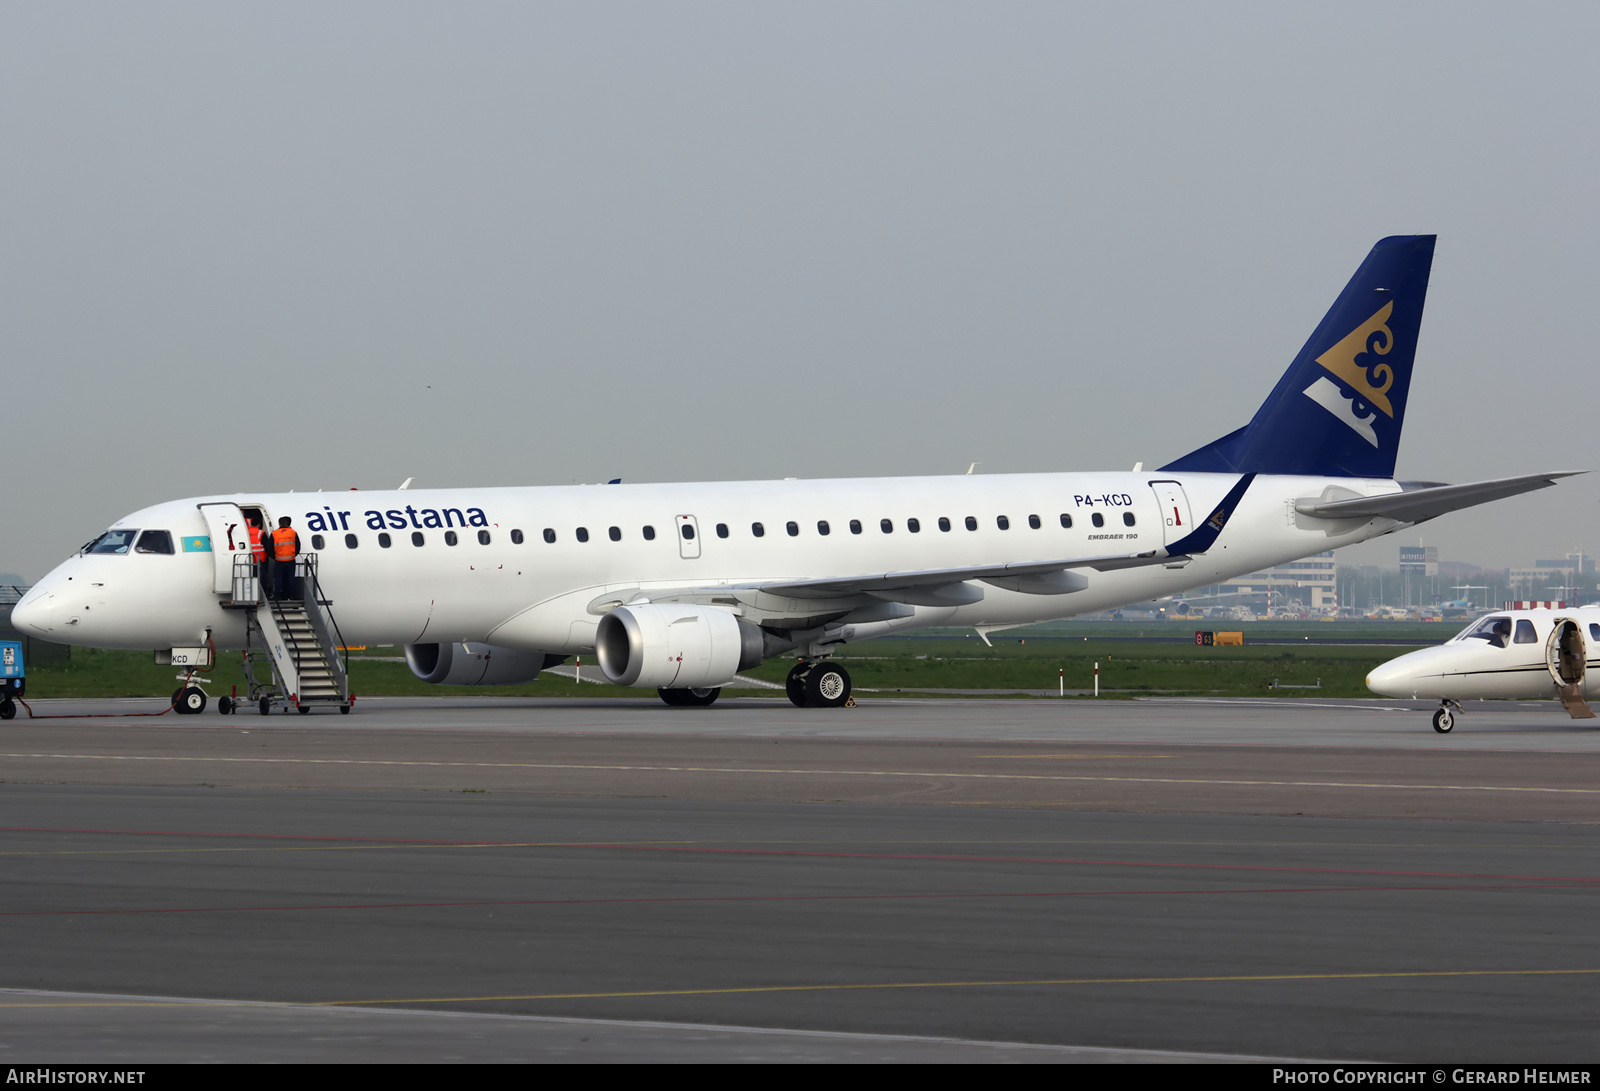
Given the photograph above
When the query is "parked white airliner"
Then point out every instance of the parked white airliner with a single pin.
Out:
(679, 587)
(1526, 654)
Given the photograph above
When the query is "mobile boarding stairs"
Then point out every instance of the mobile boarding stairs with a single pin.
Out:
(294, 654)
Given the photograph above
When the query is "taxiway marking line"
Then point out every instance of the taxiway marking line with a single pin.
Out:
(816, 772)
(1207, 979)
(730, 898)
(695, 848)
(856, 987)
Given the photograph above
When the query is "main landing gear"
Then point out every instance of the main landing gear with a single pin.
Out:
(818, 683)
(1444, 721)
(690, 698)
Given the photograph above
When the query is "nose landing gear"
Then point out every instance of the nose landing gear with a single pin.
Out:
(1444, 721)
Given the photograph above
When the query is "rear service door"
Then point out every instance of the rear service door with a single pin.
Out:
(230, 537)
(1174, 505)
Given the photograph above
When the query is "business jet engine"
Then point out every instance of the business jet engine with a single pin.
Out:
(673, 646)
(464, 664)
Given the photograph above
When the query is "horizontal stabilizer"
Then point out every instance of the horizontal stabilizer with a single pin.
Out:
(1415, 505)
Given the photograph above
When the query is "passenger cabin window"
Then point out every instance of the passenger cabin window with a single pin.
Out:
(483, 537)
(972, 522)
(1097, 519)
(757, 529)
(112, 541)
(1033, 521)
(823, 528)
(615, 534)
(1525, 633)
(886, 525)
(384, 541)
(582, 534)
(944, 522)
(1066, 521)
(650, 533)
(1594, 631)
(516, 537)
(722, 530)
(154, 541)
(855, 526)
(318, 542)
(1003, 523)
(1127, 518)
(914, 526)
(449, 539)
(793, 528)
(417, 538)
(350, 541)
(549, 535)
(687, 530)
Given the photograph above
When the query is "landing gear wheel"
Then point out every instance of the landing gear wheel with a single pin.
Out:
(795, 685)
(690, 698)
(8, 708)
(1443, 720)
(191, 701)
(265, 705)
(827, 686)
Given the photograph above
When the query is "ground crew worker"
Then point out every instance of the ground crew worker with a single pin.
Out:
(285, 544)
(258, 555)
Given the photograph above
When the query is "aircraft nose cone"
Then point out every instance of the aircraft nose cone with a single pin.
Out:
(27, 616)
(1388, 678)
(1404, 675)
(35, 614)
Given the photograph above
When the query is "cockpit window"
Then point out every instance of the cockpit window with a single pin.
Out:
(1496, 630)
(1525, 633)
(112, 541)
(154, 541)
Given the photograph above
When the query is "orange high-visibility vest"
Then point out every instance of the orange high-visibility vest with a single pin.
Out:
(283, 542)
(258, 548)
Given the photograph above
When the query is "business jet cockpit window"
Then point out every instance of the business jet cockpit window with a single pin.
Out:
(1495, 629)
(112, 541)
(1525, 633)
(154, 541)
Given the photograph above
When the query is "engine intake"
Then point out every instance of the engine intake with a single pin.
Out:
(464, 664)
(669, 646)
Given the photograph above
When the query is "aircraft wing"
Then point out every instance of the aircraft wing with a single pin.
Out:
(935, 577)
(1413, 505)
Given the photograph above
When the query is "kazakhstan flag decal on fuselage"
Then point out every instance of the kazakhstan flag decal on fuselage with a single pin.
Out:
(197, 543)
(1372, 338)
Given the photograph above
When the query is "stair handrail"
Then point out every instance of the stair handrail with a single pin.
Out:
(322, 620)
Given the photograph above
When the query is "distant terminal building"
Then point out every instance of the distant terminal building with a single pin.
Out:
(1419, 560)
(1311, 580)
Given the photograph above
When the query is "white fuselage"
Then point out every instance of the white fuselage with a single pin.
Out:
(1478, 663)
(545, 595)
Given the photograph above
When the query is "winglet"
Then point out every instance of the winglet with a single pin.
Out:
(1202, 537)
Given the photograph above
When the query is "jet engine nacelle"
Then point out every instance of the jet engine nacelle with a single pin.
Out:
(669, 646)
(463, 664)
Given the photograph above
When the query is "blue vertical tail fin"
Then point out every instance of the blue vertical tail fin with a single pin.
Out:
(1337, 411)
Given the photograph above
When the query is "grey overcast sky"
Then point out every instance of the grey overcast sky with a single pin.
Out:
(316, 245)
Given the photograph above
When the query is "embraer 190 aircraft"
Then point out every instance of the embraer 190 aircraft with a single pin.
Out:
(681, 586)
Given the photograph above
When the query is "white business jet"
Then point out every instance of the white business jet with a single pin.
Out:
(1525, 654)
(681, 586)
